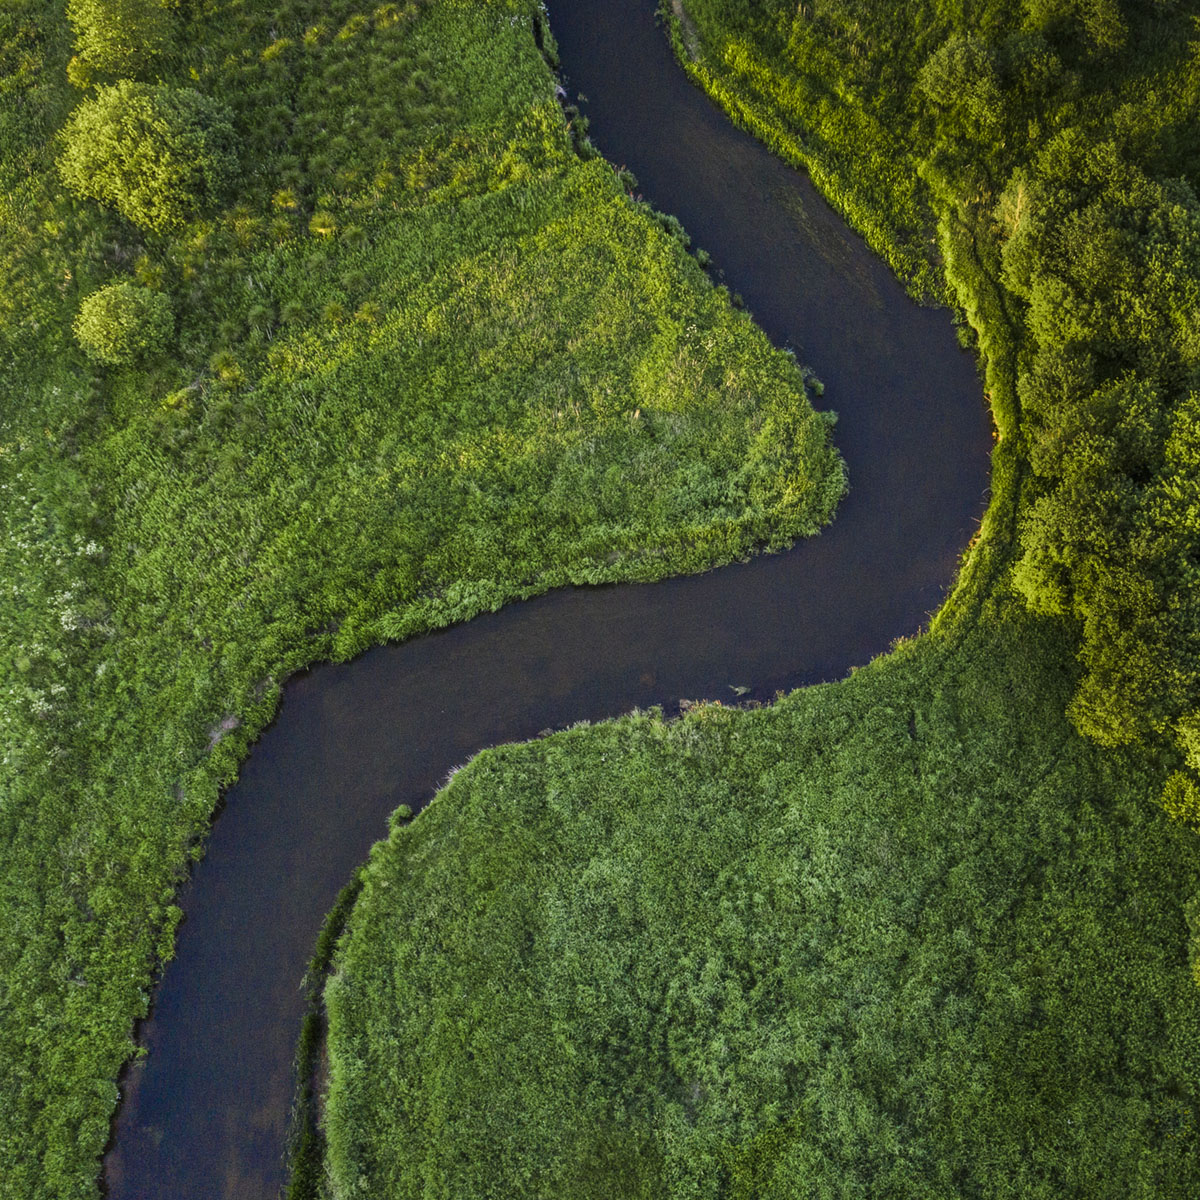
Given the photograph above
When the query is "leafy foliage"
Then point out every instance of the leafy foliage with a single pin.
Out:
(155, 153)
(961, 76)
(119, 38)
(122, 323)
(1057, 147)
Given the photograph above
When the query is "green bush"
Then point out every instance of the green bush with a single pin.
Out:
(960, 76)
(119, 36)
(153, 152)
(1181, 799)
(123, 323)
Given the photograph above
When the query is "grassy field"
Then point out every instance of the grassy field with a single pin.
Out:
(904, 936)
(927, 932)
(372, 345)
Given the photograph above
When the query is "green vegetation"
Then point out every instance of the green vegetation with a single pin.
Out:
(117, 37)
(425, 358)
(904, 936)
(154, 153)
(122, 323)
(922, 933)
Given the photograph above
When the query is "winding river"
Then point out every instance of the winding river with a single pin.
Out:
(204, 1115)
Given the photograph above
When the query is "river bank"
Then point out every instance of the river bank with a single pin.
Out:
(367, 406)
(910, 933)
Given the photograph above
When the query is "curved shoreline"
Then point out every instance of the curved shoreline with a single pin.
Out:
(353, 741)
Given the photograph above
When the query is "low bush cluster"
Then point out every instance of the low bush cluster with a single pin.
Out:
(118, 38)
(123, 323)
(155, 153)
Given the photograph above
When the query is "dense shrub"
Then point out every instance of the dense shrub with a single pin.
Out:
(1108, 261)
(155, 153)
(961, 76)
(119, 37)
(123, 323)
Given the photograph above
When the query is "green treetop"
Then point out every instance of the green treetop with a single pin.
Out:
(154, 153)
(123, 323)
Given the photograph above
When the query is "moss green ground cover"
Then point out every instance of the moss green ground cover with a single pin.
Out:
(926, 932)
(370, 348)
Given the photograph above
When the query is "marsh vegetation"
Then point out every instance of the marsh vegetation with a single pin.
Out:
(907, 935)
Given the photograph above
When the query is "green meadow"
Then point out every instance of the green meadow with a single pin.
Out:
(320, 326)
(903, 936)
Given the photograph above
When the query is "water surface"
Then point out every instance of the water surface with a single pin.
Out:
(204, 1116)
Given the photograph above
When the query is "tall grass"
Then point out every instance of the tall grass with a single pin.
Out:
(907, 935)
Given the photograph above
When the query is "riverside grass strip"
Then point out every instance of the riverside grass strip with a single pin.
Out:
(423, 359)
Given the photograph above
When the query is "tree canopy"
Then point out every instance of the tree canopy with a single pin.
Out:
(155, 153)
(122, 323)
(119, 37)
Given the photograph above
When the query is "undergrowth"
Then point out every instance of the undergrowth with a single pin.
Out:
(907, 935)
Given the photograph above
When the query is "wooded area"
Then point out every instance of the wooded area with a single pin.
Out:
(1056, 150)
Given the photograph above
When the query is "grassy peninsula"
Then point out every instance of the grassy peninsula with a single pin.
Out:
(320, 326)
(903, 936)
(933, 931)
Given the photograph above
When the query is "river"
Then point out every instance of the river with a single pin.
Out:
(204, 1114)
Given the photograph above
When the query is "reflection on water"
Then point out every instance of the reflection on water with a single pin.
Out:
(842, 257)
(205, 1114)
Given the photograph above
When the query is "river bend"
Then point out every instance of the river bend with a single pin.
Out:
(204, 1115)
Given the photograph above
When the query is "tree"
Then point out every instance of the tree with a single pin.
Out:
(153, 152)
(1107, 260)
(960, 77)
(1102, 21)
(123, 323)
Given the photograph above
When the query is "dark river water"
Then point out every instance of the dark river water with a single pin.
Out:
(204, 1115)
